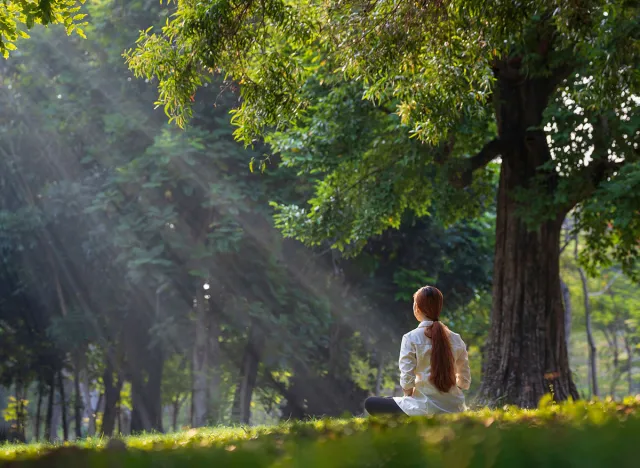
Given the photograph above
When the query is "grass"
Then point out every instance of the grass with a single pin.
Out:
(581, 434)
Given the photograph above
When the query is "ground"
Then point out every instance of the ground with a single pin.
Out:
(602, 433)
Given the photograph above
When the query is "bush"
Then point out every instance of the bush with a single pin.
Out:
(601, 433)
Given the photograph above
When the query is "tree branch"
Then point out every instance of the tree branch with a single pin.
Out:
(488, 153)
(607, 287)
(565, 245)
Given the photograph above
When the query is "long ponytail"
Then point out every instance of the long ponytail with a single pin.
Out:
(429, 301)
(443, 374)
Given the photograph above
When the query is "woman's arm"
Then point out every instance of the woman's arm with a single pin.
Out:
(407, 364)
(463, 371)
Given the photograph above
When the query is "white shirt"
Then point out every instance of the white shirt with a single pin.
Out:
(415, 369)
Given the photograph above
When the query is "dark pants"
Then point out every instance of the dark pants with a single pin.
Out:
(380, 405)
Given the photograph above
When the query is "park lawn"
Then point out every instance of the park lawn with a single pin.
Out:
(582, 434)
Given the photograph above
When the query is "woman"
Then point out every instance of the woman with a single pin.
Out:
(434, 365)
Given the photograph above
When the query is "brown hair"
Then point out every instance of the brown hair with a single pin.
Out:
(429, 301)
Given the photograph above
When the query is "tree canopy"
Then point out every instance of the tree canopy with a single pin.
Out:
(434, 65)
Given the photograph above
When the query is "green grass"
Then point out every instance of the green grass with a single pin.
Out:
(570, 435)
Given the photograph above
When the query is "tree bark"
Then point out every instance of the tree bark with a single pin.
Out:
(241, 410)
(201, 352)
(63, 407)
(526, 354)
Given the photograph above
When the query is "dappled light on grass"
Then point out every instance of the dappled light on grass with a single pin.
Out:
(553, 435)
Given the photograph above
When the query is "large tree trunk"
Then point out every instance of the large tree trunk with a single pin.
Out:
(241, 410)
(526, 354)
(201, 352)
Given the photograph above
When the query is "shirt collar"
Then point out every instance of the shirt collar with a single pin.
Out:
(425, 323)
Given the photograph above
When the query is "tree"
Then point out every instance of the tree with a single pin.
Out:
(549, 88)
(16, 15)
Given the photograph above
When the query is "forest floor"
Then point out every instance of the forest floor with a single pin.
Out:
(603, 433)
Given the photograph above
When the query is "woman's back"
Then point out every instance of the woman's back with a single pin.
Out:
(415, 370)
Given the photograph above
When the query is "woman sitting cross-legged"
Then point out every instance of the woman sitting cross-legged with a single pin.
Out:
(434, 365)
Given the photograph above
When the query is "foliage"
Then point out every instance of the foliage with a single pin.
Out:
(16, 15)
(553, 435)
(14, 407)
(304, 67)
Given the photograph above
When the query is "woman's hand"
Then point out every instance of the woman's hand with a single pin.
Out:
(408, 392)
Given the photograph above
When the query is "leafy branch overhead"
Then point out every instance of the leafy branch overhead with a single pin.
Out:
(18, 16)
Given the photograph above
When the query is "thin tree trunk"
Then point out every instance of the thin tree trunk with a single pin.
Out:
(593, 374)
(176, 404)
(119, 417)
(49, 431)
(241, 410)
(191, 407)
(21, 414)
(63, 407)
(214, 396)
(566, 299)
(628, 349)
(77, 401)
(89, 412)
(39, 411)
(616, 364)
(153, 388)
(146, 414)
(112, 392)
(526, 353)
(201, 377)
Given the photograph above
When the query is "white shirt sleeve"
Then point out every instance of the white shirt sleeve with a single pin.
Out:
(407, 364)
(463, 371)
